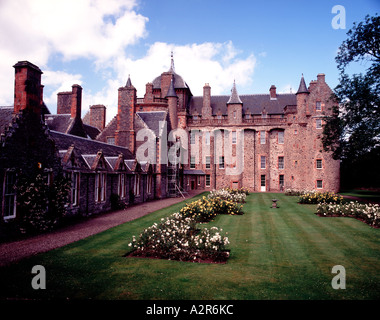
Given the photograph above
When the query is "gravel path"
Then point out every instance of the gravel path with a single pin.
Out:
(12, 252)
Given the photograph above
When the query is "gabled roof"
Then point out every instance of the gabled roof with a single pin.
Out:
(88, 150)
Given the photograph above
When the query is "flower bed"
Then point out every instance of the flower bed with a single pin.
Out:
(320, 197)
(229, 194)
(368, 213)
(178, 238)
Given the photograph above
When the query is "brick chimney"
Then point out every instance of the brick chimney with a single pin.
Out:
(125, 134)
(272, 91)
(64, 102)
(98, 116)
(206, 107)
(76, 101)
(28, 89)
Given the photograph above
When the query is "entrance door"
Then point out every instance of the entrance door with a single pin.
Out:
(263, 187)
(192, 184)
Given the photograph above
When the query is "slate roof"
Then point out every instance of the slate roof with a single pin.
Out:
(152, 120)
(252, 104)
(302, 87)
(6, 115)
(178, 81)
(65, 124)
(87, 149)
(234, 98)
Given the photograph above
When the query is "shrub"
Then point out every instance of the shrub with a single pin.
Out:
(320, 197)
(369, 213)
(175, 238)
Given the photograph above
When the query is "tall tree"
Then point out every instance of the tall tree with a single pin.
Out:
(354, 130)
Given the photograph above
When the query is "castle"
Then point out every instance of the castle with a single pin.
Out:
(166, 142)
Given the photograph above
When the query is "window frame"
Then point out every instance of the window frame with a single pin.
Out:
(7, 195)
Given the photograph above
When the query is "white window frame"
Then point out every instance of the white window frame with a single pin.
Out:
(281, 164)
(280, 137)
(234, 137)
(208, 180)
(100, 187)
(192, 162)
(318, 123)
(262, 137)
(122, 186)
(263, 162)
(221, 162)
(11, 195)
(75, 184)
(136, 186)
(319, 161)
(208, 162)
(321, 181)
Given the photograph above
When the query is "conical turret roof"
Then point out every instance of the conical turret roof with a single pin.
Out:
(171, 91)
(302, 88)
(234, 98)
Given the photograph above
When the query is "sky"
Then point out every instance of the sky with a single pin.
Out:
(99, 43)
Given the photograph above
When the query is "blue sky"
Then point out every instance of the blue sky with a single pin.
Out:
(100, 43)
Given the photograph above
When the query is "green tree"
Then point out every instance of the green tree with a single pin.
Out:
(354, 129)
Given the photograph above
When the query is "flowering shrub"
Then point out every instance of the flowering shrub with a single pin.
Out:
(320, 197)
(228, 194)
(175, 238)
(205, 209)
(369, 213)
(294, 192)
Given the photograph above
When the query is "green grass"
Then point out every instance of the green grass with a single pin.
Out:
(285, 253)
(364, 194)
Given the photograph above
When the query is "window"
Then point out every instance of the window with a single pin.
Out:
(233, 137)
(75, 188)
(281, 181)
(262, 162)
(234, 113)
(149, 184)
(207, 138)
(262, 137)
(221, 162)
(281, 162)
(111, 140)
(295, 131)
(319, 163)
(199, 180)
(192, 162)
(208, 162)
(318, 123)
(281, 137)
(208, 182)
(9, 195)
(192, 138)
(319, 184)
(195, 117)
(121, 186)
(136, 187)
(318, 106)
(100, 187)
(263, 180)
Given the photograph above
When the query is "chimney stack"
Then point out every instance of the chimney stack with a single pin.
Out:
(206, 108)
(28, 89)
(272, 91)
(76, 101)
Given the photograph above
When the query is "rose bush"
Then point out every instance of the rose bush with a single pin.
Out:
(369, 213)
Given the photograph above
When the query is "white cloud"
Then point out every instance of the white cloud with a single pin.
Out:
(99, 32)
(34, 30)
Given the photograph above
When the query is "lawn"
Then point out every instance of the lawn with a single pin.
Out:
(284, 253)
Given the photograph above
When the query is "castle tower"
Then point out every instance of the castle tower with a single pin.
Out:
(172, 105)
(302, 96)
(234, 106)
(125, 134)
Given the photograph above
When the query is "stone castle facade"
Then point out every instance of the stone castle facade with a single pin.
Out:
(262, 142)
(164, 143)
